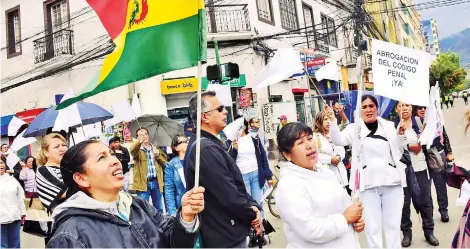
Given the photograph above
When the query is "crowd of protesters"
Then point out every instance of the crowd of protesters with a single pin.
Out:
(323, 203)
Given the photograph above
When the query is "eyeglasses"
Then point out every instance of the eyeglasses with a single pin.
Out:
(422, 107)
(255, 122)
(219, 109)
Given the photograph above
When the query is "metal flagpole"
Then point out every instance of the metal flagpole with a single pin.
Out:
(198, 124)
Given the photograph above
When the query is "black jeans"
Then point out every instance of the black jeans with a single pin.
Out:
(440, 182)
(464, 100)
(425, 208)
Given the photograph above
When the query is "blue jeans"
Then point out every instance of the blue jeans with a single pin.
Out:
(154, 191)
(251, 181)
(11, 234)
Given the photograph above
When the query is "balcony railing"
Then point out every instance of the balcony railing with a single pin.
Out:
(227, 18)
(321, 43)
(53, 45)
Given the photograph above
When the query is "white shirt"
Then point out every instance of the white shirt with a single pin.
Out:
(395, 148)
(417, 161)
(246, 159)
(311, 205)
(378, 166)
(11, 200)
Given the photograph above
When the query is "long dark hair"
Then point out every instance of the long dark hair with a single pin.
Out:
(35, 166)
(73, 162)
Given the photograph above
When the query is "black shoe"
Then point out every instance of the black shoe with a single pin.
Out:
(445, 217)
(406, 242)
(253, 240)
(265, 242)
(432, 240)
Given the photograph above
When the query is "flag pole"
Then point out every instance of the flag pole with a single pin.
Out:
(198, 124)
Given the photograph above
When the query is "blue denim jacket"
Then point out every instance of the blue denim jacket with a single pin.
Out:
(174, 187)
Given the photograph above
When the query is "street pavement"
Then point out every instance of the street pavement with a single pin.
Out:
(443, 231)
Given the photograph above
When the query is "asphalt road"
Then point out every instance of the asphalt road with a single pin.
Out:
(443, 231)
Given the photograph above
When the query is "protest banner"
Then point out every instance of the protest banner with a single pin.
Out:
(400, 73)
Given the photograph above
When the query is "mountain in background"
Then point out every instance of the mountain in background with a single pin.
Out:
(459, 43)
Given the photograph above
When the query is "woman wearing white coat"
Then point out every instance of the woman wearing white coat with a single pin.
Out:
(327, 152)
(12, 209)
(380, 174)
(315, 209)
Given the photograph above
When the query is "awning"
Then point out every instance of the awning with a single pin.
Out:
(5, 121)
(29, 115)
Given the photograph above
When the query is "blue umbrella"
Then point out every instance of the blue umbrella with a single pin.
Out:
(89, 114)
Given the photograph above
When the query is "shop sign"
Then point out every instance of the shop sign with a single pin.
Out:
(183, 85)
(314, 65)
(29, 115)
(240, 82)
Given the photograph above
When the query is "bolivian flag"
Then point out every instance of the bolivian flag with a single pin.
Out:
(151, 37)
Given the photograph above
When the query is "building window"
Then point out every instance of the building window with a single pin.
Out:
(288, 11)
(309, 24)
(13, 30)
(56, 15)
(265, 11)
(329, 29)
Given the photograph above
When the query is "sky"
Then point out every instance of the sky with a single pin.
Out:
(450, 19)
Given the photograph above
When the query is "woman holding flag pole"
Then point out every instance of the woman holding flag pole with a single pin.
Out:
(380, 177)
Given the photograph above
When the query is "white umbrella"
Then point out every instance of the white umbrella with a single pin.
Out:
(161, 128)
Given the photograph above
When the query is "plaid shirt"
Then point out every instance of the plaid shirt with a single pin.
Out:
(151, 173)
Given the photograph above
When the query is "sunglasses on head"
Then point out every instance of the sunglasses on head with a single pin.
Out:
(184, 141)
(219, 109)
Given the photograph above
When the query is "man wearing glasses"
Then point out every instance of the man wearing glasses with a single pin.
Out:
(229, 209)
(439, 178)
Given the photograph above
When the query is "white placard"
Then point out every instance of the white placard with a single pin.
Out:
(400, 73)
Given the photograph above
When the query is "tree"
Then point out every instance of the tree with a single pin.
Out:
(447, 70)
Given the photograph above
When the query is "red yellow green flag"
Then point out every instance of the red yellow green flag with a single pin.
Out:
(151, 37)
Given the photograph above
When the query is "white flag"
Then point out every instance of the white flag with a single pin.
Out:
(233, 130)
(434, 119)
(12, 159)
(330, 72)
(21, 142)
(285, 63)
(14, 125)
(136, 107)
(69, 116)
(223, 93)
(122, 112)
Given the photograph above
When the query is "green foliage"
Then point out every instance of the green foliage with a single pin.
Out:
(447, 70)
